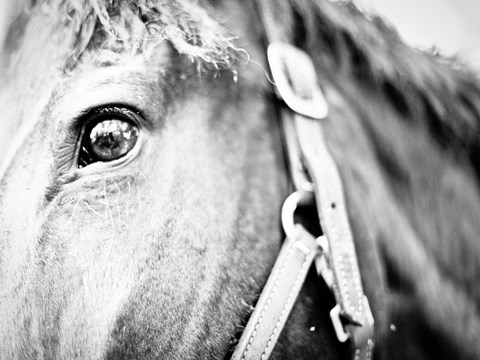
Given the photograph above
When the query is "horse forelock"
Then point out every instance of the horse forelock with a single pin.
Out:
(53, 36)
(132, 27)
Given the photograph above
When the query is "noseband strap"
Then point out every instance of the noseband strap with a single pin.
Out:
(313, 171)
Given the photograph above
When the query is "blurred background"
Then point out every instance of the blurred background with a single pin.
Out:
(453, 26)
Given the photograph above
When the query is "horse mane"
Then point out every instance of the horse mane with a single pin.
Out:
(421, 86)
(418, 116)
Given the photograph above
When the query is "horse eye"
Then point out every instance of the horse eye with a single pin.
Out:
(109, 136)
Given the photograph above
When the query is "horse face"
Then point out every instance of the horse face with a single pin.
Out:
(157, 252)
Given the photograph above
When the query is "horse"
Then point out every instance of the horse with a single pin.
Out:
(140, 195)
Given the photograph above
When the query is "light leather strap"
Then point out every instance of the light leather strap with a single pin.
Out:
(333, 219)
(278, 297)
(296, 83)
(352, 304)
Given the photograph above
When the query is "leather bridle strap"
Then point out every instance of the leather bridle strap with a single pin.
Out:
(278, 296)
(313, 169)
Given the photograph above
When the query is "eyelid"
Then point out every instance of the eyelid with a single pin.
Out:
(127, 87)
(96, 113)
(119, 109)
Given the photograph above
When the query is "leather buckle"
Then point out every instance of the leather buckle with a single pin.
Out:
(359, 334)
(296, 80)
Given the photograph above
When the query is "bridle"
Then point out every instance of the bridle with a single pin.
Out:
(316, 179)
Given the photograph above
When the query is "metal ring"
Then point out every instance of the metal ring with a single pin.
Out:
(289, 206)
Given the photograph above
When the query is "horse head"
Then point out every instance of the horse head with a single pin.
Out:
(140, 199)
(158, 246)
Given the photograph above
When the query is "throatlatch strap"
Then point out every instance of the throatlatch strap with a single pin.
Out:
(278, 297)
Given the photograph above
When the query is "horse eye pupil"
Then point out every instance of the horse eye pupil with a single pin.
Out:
(112, 139)
(108, 140)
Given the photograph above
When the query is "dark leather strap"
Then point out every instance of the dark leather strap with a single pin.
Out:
(278, 297)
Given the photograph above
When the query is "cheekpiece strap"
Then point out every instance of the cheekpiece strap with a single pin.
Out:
(313, 169)
(310, 159)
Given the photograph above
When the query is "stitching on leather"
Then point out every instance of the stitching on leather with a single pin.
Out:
(345, 224)
(341, 267)
(343, 277)
(356, 280)
(369, 349)
(345, 229)
(289, 299)
(274, 288)
(357, 354)
(328, 220)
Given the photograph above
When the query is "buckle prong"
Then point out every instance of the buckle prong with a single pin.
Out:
(359, 334)
(342, 335)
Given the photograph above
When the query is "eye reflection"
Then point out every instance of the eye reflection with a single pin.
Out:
(107, 140)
